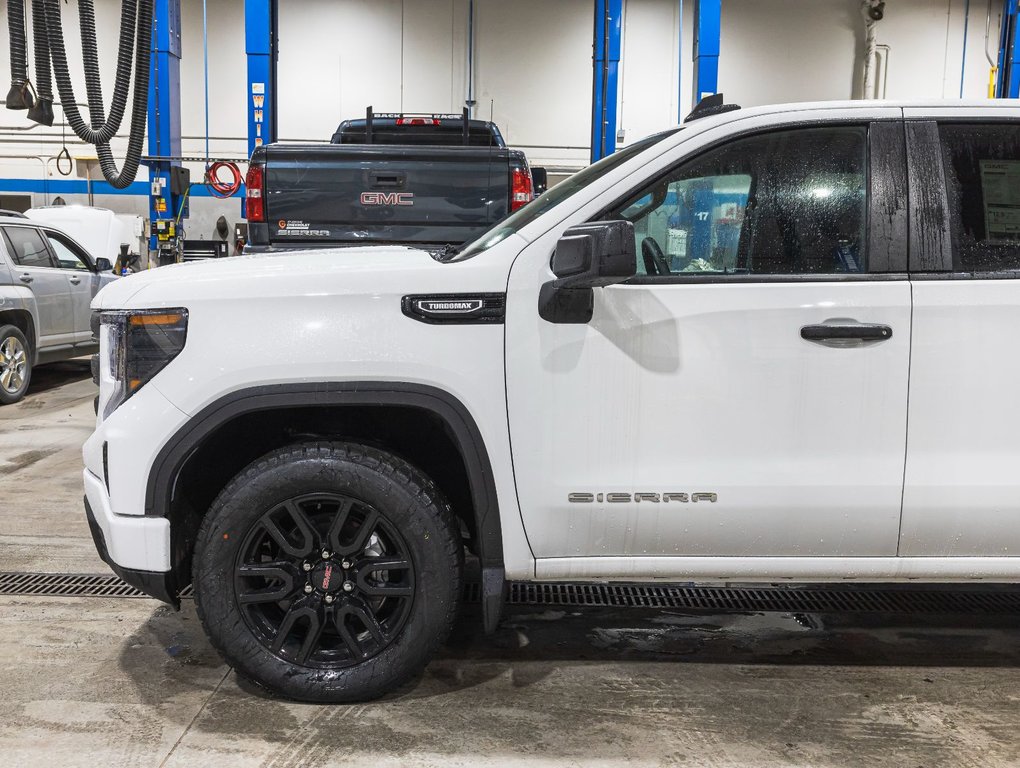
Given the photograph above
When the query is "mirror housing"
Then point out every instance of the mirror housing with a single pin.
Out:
(103, 264)
(587, 256)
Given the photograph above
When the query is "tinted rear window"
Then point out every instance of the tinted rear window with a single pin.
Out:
(982, 165)
(27, 248)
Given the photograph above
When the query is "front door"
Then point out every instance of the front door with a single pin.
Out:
(745, 395)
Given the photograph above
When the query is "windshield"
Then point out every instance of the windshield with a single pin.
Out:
(556, 195)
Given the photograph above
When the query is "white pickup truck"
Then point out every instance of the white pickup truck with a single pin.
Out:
(774, 344)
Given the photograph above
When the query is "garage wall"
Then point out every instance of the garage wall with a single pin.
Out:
(532, 69)
(534, 78)
(790, 50)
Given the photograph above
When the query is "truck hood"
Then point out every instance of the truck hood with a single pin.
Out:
(329, 271)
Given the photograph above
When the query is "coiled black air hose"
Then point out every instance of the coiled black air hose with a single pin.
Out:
(101, 130)
(42, 111)
(93, 85)
(18, 97)
(134, 13)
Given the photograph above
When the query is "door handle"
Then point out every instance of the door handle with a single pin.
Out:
(75, 280)
(26, 278)
(387, 180)
(846, 332)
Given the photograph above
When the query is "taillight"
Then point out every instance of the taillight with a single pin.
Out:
(521, 188)
(417, 121)
(254, 182)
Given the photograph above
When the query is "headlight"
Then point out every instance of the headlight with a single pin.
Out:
(133, 347)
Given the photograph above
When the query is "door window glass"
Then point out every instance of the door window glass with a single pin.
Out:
(69, 256)
(27, 248)
(792, 202)
(982, 165)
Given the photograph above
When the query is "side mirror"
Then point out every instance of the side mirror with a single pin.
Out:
(586, 257)
(539, 180)
(103, 265)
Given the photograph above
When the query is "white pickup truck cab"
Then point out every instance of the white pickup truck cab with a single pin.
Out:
(774, 344)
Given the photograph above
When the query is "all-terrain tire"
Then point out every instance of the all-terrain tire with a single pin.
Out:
(14, 379)
(261, 523)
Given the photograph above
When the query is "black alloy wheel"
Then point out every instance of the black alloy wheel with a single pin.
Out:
(328, 571)
(324, 580)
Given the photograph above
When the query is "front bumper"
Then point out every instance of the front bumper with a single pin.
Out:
(136, 548)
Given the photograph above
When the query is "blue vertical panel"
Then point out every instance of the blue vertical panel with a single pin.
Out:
(259, 18)
(1008, 85)
(1013, 84)
(164, 132)
(680, 66)
(707, 32)
(606, 45)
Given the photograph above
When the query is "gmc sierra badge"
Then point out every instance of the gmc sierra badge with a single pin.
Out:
(626, 498)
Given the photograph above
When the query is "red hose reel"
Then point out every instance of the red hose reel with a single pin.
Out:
(218, 186)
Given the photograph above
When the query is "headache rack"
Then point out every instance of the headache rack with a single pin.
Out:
(417, 118)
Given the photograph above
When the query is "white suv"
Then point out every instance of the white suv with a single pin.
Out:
(775, 344)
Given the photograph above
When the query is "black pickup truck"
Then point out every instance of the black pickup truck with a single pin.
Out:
(388, 178)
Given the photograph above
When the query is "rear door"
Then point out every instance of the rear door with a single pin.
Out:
(962, 482)
(34, 266)
(82, 280)
(366, 194)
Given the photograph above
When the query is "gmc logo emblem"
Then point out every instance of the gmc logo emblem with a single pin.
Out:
(387, 198)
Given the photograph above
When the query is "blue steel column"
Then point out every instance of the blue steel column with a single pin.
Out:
(259, 35)
(1009, 52)
(680, 66)
(606, 46)
(164, 108)
(707, 31)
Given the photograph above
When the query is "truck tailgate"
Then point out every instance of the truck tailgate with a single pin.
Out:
(350, 193)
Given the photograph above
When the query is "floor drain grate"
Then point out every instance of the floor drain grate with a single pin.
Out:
(786, 600)
(931, 600)
(69, 585)
(65, 585)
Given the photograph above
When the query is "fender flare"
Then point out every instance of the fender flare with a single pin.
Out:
(172, 457)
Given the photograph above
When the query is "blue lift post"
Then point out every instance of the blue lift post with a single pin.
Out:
(260, 37)
(260, 26)
(605, 81)
(164, 115)
(1009, 52)
(707, 33)
(707, 30)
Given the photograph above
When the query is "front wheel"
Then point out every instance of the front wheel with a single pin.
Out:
(328, 572)
(15, 365)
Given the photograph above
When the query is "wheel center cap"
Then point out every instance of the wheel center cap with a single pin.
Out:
(328, 577)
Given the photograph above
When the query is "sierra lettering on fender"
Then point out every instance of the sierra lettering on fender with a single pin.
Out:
(618, 498)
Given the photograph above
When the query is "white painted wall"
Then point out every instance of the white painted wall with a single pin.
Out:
(532, 69)
(792, 50)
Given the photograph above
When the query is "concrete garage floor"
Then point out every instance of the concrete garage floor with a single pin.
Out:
(128, 682)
